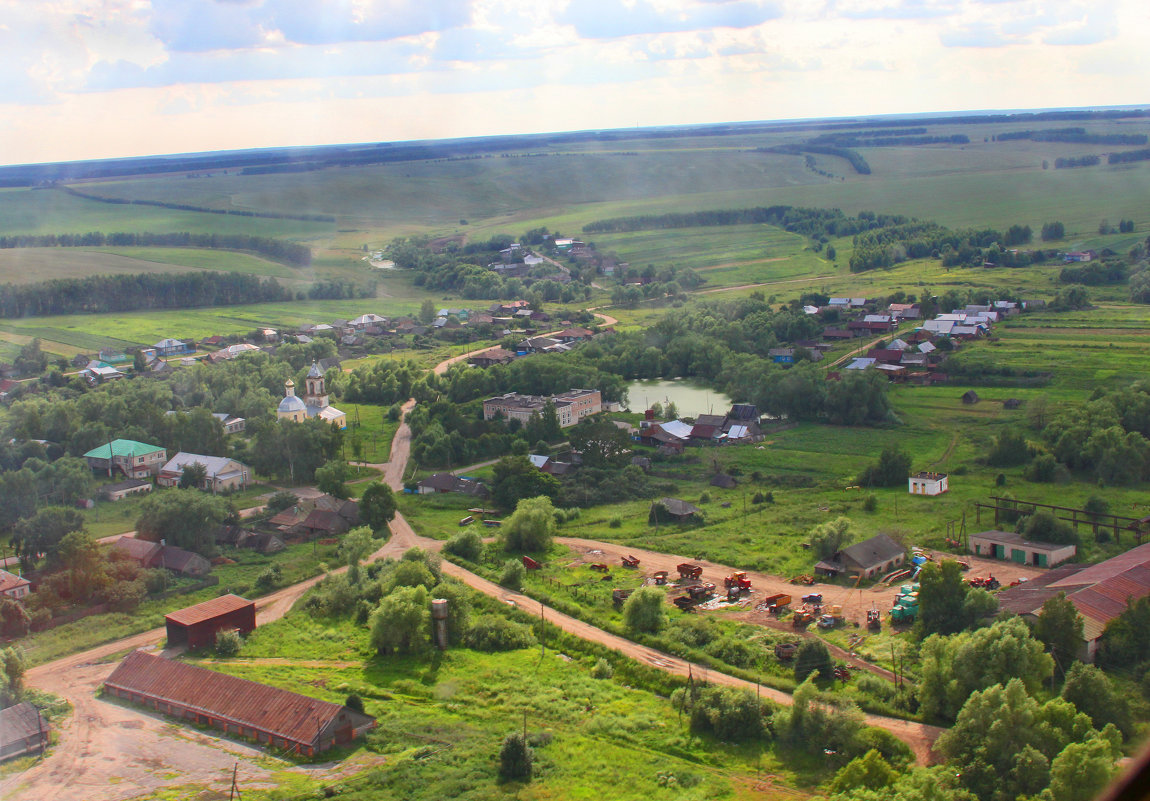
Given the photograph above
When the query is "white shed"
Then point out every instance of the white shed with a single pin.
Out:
(928, 484)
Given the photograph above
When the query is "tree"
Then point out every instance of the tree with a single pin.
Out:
(869, 771)
(530, 527)
(830, 537)
(891, 470)
(401, 623)
(941, 595)
(732, 715)
(516, 479)
(601, 442)
(1053, 230)
(816, 722)
(1092, 693)
(377, 507)
(515, 759)
(40, 534)
(331, 477)
(645, 610)
(831, 253)
(14, 618)
(1043, 526)
(1059, 627)
(30, 360)
(427, 312)
(813, 657)
(13, 667)
(1082, 770)
(1125, 641)
(354, 548)
(228, 643)
(183, 517)
(467, 545)
(193, 476)
(513, 575)
(954, 667)
(280, 500)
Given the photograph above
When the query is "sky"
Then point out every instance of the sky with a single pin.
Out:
(86, 79)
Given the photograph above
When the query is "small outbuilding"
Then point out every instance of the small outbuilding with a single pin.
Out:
(927, 483)
(674, 510)
(122, 489)
(196, 626)
(970, 397)
(1011, 547)
(23, 730)
(874, 557)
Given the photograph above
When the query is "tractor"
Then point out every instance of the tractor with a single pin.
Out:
(738, 581)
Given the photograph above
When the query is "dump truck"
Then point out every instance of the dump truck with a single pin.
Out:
(701, 592)
(689, 571)
(660, 577)
(802, 619)
(738, 581)
(873, 620)
(685, 603)
(599, 566)
(619, 596)
(630, 561)
(774, 603)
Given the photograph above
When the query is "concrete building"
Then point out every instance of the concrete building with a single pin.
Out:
(1011, 547)
(571, 406)
(23, 730)
(14, 586)
(871, 558)
(220, 472)
(926, 483)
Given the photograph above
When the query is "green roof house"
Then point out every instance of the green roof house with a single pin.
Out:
(132, 459)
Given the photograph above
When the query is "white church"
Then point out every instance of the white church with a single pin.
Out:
(314, 403)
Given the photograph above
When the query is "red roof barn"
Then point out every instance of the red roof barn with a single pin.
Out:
(270, 716)
(196, 626)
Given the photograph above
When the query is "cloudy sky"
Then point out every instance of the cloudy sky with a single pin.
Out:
(98, 78)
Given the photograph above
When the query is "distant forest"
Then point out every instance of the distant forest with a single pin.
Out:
(291, 253)
(307, 158)
(121, 293)
(271, 215)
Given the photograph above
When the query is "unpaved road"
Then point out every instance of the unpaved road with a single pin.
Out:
(108, 752)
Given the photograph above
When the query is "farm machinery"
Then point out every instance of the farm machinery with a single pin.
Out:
(988, 583)
(873, 620)
(775, 603)
(660, 577)
(738, 581)
(905, 608)
(696, 594)
(600, 567)
(689, 571)
(630, 561)
(619, 596)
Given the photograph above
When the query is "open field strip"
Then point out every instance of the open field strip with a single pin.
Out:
(30, 265)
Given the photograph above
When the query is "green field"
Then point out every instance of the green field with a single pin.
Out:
(29, 265)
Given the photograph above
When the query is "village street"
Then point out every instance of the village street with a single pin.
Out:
(109, 751)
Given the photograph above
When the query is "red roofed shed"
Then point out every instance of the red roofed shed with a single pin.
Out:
(196, 626)
(270, 716)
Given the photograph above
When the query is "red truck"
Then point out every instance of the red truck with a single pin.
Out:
(690, 571)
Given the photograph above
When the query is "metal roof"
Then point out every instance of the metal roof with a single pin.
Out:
(280, 713)
(223, 605)
(122, 447)
(870, 553)
(1011, 538)
(20, 723)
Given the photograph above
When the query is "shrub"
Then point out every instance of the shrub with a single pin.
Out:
(268, 579)
(602, 669)
(466, 545)
(813, 656)
(513, 575)
(228, 643)
(870, 503)
(731, 715)
(733, 651)
(283, 499)
(354, 702)
(615, 522)
(515, 759)
(645, 610)
(493, 633)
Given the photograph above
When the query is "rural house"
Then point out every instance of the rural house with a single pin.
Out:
(14, 586)
(133, 459)
(874, 557)
(220, 473)
(674, 510)
(152, 554)
(276, 718)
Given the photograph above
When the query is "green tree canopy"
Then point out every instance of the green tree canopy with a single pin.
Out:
(955, 666)
(332, 476)
(941, 598)
(530, 527)
(870, 771)
(601, 442)
(830, 537)
(402, 622)
(377, 506)
(185, 518)
(40, 534)
(813, 657)
(1059, 627)
(891, 470)
(1093, 694)
(516, 479)
(645, 610)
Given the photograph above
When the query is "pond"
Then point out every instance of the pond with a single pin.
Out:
(690, 399)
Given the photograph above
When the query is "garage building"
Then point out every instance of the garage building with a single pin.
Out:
(276, 718)
(196, 626)
(1011, 547)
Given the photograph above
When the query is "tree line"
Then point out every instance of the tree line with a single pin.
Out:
(1074, 135)
(806, 221)
(292, 254)
(889, 139)
(270, 215)
(853, 157)
(1128, 156)
(131, 292)
(1071, 162)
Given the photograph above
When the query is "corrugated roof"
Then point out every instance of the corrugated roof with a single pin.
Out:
(192, 615)
(268, 709)
(20, 723)
(878, 549)
(122, 447)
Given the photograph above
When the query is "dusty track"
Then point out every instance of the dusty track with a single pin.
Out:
(107, 751)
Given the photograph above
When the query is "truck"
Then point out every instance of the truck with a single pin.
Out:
(689, 571)
(701, 592)
(814, 598)
(802, 619)
(619, 596)
(774, 603)
(630, 561)
(873, 620)
(903, 614)
(660, 577)
(738, 581)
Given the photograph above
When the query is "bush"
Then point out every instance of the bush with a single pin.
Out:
(731, 715)
(870, 503)
(283, 499)
(615, 522)
(228, 643)
(492, 633)
(704, 498)
(813, 656)
(515, 759)
(467, 545)
(602, 669)
(513, 575)
(733, 651)
(354, 702)
(645, 610)
(270, 578)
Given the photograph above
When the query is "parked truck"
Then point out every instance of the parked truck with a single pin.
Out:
(774, 603)
(738, 581)
(689, 571)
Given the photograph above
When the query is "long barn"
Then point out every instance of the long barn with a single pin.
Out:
(247, 709)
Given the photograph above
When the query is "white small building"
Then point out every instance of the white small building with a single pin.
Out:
(928, 483)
